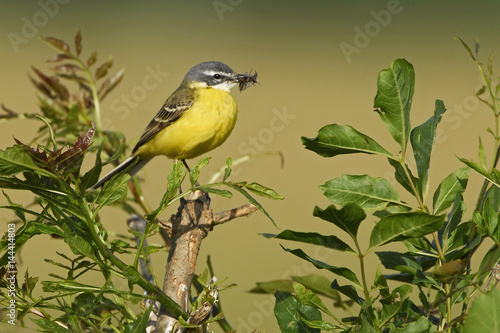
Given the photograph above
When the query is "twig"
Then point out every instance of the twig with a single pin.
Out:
(228, 215)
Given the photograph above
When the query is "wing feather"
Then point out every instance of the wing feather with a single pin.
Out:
(173, 108)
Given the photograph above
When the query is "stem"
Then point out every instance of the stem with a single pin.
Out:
(361, 257)
(95, 95)
(448, 306)
(414, 189)
(363, 276)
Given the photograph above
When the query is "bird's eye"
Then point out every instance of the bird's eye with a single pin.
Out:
(217, 76)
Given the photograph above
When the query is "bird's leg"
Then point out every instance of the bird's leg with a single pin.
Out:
(189, 171)
(205, 198)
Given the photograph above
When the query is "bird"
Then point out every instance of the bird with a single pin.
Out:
(196, 118)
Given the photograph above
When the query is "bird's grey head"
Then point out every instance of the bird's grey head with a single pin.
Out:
(213, 74)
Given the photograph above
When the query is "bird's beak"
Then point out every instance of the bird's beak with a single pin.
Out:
(245, 80)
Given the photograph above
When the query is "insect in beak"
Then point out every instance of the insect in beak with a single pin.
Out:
(246, 80)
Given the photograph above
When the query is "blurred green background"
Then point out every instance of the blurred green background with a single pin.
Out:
(317, 63)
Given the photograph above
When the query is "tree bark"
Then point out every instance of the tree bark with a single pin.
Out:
(187, 228)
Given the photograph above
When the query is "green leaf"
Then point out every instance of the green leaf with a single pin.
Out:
(333, 140)
(24, 233)
(287, 310)
(422, 141)
(331, 242)
(399, 227)
(174, 181)
(80, 242)
(227, 170)
(454, 218)
(92, 176)
(392, 209)
(194, 174)
(368, 192)
(68, 285)
(348, 218)
(261, 190)
(210, 189)
(395, 87)
(113, 191)
(490, 219)
(18, 209)
(459, 236)
(319, 284)
(422, 325)
(488, 263)
(272, 286)
(405, 180)
(16, 160)
(453, 185)
(493, 177)
(50, 326)
(341, 271)
(484, 313)
(254, 202)
(347, 290)
(320, 324)
(399, 261)
(390, 310)
(307, 297)
(482, 154)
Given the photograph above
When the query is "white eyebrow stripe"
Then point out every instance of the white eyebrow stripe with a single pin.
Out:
(212, 72)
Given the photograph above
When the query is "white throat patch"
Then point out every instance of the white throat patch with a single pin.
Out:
(224, 86)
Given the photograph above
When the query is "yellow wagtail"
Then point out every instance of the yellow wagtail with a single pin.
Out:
(196, 118)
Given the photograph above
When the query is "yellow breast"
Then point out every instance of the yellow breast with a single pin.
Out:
(205, 126)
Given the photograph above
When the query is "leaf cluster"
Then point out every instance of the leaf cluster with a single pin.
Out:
(439, 239)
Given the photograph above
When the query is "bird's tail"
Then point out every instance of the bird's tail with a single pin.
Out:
(139, 163)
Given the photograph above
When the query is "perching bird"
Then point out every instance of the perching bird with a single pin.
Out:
(196, 118)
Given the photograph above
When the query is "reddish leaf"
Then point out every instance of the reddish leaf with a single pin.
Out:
(103, 69)
(58, 57)
(56, 43)
(38, 154)
(59, 162)
(71, 160)
(41, 87)
(78, 42)
(92, 59)
(42, 76)
(67, 68)
(10, 113)
(110, 83)
(85, 87)
(73, 77)
(60, 90)
(53, 83)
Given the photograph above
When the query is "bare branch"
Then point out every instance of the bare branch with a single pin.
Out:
(228, 215)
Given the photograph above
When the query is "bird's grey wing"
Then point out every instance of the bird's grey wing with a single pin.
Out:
(173, 108)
